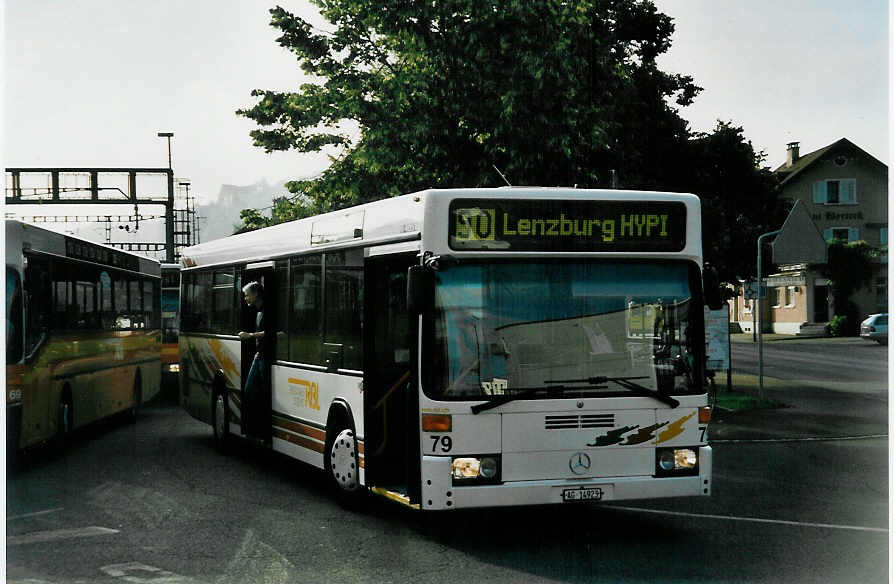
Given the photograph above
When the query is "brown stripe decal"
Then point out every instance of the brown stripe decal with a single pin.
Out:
(308, 436)
(299, 440)
(299, 428)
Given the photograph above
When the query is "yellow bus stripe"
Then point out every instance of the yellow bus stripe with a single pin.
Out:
(116, 365)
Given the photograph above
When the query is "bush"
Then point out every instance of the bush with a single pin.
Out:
(842, 326)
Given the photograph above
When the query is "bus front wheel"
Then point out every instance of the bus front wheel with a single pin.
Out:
(341, 461)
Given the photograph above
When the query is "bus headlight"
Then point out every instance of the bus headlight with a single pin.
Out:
(478, 470)
(488, 468)
(676, 461)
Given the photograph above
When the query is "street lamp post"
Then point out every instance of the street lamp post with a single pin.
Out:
(169, 208)
(760, 324)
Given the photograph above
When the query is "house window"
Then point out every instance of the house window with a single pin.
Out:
(835, 192)
(790, 296)
(832, 190)
(777, 297)
(847, 234)
(883, 236)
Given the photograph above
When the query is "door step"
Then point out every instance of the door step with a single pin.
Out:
(396, 494)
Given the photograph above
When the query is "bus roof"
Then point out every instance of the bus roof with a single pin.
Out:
(22, 237)
(389, 220)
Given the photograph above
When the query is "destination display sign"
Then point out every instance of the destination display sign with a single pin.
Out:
(563, 225)
(84, 250)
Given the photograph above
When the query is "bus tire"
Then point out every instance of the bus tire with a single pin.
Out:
(220, 420)
(137, 397)
(342, 468)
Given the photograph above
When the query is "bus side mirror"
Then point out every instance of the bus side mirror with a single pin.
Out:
(420, 289)
(711, 287)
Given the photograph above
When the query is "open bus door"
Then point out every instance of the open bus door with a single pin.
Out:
(390, 401)
(256, 416)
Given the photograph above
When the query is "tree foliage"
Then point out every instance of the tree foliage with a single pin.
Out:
(739, 198)
(849, 269)
(549, 92)
(552, 93)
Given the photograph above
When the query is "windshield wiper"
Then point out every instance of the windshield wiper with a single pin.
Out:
(626, 383)
(523, 393)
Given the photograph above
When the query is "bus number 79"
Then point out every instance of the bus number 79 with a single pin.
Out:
(444, 442)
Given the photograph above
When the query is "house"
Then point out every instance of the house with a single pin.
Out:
(845, 190)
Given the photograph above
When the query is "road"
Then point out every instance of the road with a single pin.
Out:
(844, 359)
(154, 502)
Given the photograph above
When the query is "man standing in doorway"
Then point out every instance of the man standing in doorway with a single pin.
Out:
(256, 383)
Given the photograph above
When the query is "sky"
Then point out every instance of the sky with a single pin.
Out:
(92, 82)
(808, 71)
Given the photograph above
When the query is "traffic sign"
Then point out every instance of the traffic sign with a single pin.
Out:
(751, 291)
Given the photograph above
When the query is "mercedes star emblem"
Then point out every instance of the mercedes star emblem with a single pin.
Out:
(579, 463)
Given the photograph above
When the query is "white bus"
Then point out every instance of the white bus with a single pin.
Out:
(467, 348)
(82, 333)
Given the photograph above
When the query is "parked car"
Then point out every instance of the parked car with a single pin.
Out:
(875, 328)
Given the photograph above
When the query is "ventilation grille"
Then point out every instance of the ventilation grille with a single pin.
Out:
(578, 422)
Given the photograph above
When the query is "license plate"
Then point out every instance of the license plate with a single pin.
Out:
(583, 494)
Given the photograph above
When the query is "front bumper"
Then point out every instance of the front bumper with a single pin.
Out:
(439, 493)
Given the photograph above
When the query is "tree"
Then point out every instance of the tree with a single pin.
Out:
(738, 195)
(849, 269)
(551, 93)
(251, 219)
(283, 210)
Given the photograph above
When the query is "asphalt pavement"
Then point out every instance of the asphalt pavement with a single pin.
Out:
(804, 409)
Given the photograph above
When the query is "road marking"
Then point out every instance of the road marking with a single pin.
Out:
(256, 557)
(57, 534)
(752, 519)
(35, 514)
(807, 439)
(144, 574)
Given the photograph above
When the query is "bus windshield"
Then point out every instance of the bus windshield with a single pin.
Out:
(14, 318)
(555, 328)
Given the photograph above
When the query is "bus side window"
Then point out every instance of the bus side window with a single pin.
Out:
(106, 306)
(86, 299)
(394, 323)
(13, 316)
(282, 310)
(344, 306)
(37, 302)
(305, 310)
(119, 302)
(187, 283)
(222, 308)
(150, 303)
(202, 301)
(137, 317)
